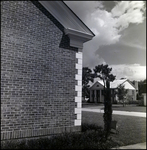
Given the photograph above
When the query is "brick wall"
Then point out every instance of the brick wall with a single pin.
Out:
(38, 70)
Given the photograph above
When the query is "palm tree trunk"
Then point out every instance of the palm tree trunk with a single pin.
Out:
(107, 111)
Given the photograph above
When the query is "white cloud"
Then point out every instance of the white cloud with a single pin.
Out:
(120, 8)
(135, 44)
(107, 28)
(106, 25)
(102, 24)
(127, 7)
(131, 72)
(128, 12)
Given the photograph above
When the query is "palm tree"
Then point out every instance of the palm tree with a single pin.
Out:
(104, 73)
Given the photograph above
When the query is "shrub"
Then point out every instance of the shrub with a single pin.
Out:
(134, 102)
(141, 102)
(89, 138)
(86, 127)
(115, 102)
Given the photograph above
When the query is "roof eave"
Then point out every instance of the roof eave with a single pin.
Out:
(78, 18)
(76, 30)
(77, 38)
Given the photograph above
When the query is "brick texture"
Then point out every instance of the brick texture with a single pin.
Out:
(37, 72)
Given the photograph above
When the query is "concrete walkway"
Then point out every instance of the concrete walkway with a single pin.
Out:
(133, 146)
(115, 112)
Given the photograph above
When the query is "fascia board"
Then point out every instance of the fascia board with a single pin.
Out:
(77, 33)
(77, 38)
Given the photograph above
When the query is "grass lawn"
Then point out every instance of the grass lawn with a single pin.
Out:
(129, 108)
(132, 129)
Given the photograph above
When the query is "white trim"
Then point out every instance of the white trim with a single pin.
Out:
(78, 88)
(78, 99)
(79, 72)
(77, 122)
(78, 110)
(78, 77)
(79, 116)
(79, 66)
(79, 93)
(80, 83)
(75, 42)
(79, 55)
(77, 38)
(78, 34)
(79, 61)
(79, 105)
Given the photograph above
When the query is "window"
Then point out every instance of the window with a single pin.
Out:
(102, 92)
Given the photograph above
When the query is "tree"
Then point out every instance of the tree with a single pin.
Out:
(121, 93)
(87, 76)
(104, 73)
(141, 87)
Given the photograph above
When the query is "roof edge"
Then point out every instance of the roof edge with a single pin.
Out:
(131, 84)
(78, 17)
(93, 84)
(77, 38)
(98, 83)
(122, 83)
(70, 20)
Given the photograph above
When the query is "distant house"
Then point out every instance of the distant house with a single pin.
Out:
(97, 90)
(41, 68)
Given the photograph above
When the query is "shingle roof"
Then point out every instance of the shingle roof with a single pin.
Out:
(115, 83)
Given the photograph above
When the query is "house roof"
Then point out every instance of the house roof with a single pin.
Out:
(115, 83)
(72, 24)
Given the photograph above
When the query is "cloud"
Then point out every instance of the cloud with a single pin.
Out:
(127, 7)
(109, 38)
(135, 36)
(127, 12)
(102, 24)
(100, 21)
(131, 72)
(109, 27)
(124, 52)
(136, 44)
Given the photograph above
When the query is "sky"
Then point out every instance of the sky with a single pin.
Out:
(120, 36)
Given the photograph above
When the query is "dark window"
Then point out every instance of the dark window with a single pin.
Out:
(102, 92)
